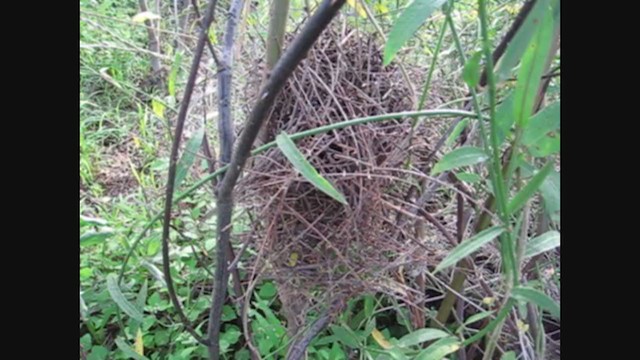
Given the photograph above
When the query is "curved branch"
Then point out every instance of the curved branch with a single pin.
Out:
(182, 115)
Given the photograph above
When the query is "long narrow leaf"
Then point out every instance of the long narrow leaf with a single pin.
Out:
(440, 349)
(534, 296)
(543, 243)
(531, 69)
(521, 39)
(128, 351)
(464, 156)
(301, 164)
(118, 297)
(189, 156)
(467, 247)
(406, 25)
(421, 335)
(528, 190)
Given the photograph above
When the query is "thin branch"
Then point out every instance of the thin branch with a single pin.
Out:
(281, 72)
(225, 121)
(182, 115)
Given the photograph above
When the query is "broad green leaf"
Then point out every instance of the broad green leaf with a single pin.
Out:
(477, 317)
(538, 298)
(128, 351)
(93, 237)
(471, 71)
(546, 146)
(529, 189)
(86, 221)
(504, 117)
(173, 74)
(421, 335)
(471, 178)
(550, 190)
(188, 156)
(301, 164)
(545, 242)
(118, 297)
(144, 16)
(541, 124)
(345, 336)
(267, 291)
(407, 24)
(440, 349)
(467, 247)
(98, 352)
(456, 132)
(509, 355)
(518, 45)
(531, 69)
(464, 156)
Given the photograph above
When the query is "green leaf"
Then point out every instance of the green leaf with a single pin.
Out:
(541, 124)
(509, 355)
(173, 74)
(550, 190)
(456, 132)
(518, 45)
(477, 317)
(188, 157)
(504, 117)
(545, 242)
(407, 24)
(86, 221)
(548, 145)
(531, 69)
(301, 164)
(345, 336)
(93, 237)
(534, 296)
(267, 291)
(118, 297)
(467, 247)
(471, 178)
(528, 190)
(471, 71)
(440, 349)
(421, 335)
(128, 351)
(464, 156)
(98, 352)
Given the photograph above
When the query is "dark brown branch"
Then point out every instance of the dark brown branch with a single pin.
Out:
(281, 72)
(225, 121)
(184, 106)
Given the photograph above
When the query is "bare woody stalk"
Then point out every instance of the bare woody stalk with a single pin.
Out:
(281, 72)
(225, 120)
(154, 39)
(182, 114)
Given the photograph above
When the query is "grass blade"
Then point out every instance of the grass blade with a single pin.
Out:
(420, 336)
(536, 297)
(528, 190)
(467, 247)
(464, 156)
(545, 242)
(118, 297)
(407, 24)
(301, 164)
